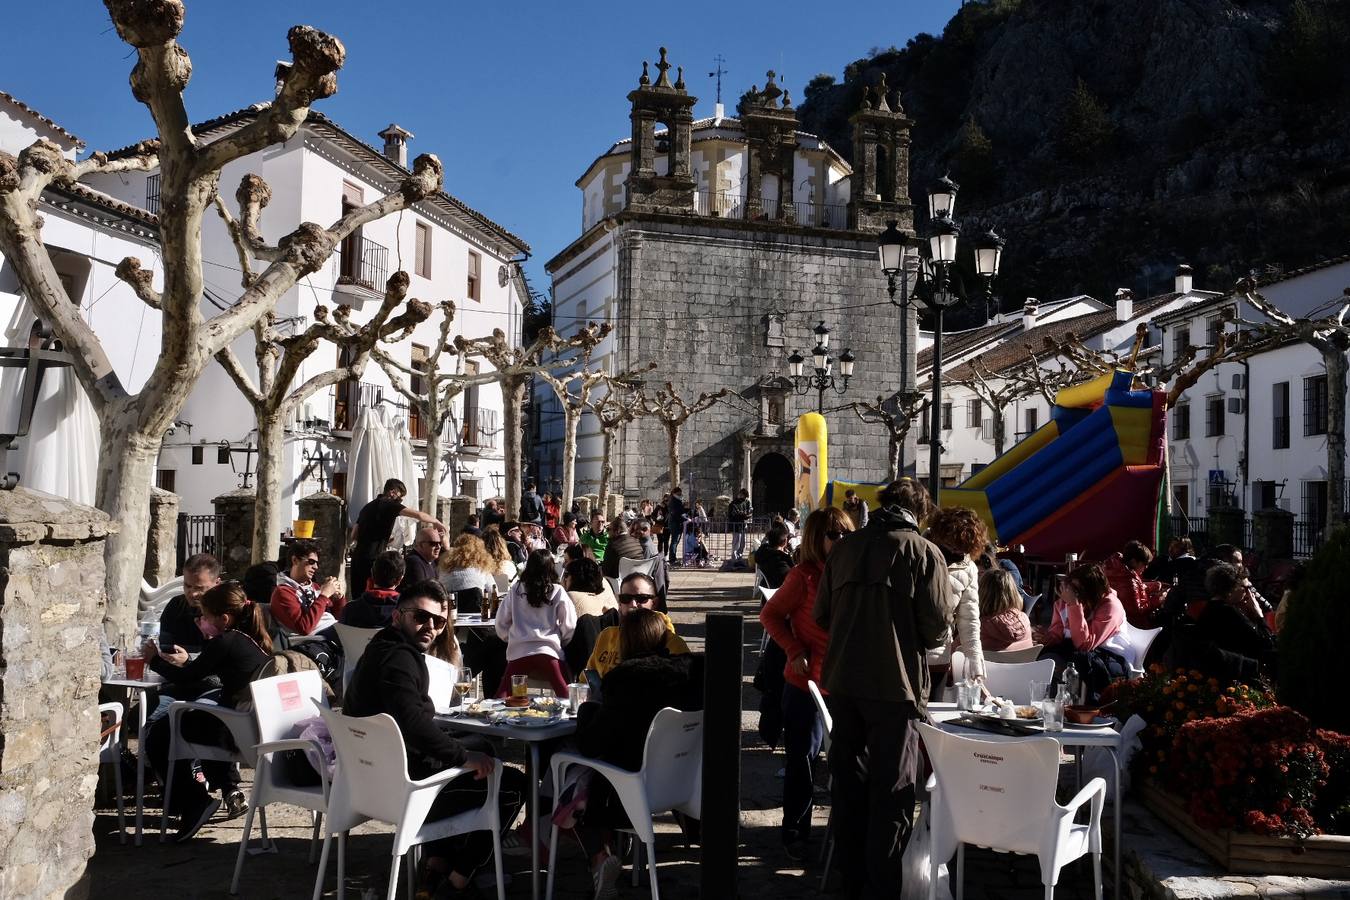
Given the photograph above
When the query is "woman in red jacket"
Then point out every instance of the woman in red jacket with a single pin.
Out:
(788, 620)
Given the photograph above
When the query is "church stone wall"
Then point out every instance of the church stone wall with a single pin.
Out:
(701, 294)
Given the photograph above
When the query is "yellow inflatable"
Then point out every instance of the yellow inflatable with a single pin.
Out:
(812, 461)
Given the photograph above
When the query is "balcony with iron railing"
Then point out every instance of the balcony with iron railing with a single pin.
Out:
(350, 398)
(480, 429)
(732, 205)
(363, 268)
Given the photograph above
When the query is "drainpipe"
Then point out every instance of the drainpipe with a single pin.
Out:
(1247, 430)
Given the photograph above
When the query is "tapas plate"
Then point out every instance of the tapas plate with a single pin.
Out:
(528, 717)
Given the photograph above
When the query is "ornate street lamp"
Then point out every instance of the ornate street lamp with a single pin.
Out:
(822, 377)
(898, 258)
(942, 199)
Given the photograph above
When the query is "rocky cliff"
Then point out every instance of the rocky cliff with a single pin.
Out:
(1110, 140)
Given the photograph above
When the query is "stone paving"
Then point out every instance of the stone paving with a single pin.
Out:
(203, 867)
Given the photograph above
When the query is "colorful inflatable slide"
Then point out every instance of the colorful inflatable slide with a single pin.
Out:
(1087, 482)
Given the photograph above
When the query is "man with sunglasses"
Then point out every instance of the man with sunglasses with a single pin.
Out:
(419, 561)
(636, 591)
(300, 604)
(391, 677)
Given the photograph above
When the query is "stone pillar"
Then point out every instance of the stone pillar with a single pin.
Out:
(1227, 525)
(458, 516)
(330, 530)
(583, 510)
(161, 545)
(443, 508)
(234, 543)
(613, 505)
(51, 615)
(720, 504)
(1273, 534)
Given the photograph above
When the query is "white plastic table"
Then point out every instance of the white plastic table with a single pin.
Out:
(142, 687)
(1077, 737)
(474, 621)
(532, 735)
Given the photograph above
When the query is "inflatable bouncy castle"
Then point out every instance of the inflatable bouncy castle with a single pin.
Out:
(1087, 482)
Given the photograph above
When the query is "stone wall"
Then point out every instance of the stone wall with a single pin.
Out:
(51, 613)
(457, 516)
(702, 293)
(328, 512)
(234, 543)
(161, 548)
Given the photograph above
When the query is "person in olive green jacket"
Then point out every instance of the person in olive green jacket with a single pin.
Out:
(885, 599)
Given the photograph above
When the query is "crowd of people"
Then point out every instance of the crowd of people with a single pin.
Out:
(867, 605)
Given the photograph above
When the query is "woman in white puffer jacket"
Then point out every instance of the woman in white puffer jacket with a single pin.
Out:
(960, 534)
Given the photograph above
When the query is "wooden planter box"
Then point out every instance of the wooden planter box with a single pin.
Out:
(1323, 856)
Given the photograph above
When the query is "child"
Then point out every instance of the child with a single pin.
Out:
(699, 551)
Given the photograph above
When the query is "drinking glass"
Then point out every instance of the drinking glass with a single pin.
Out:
(520, 685)
(1038, 691)
(577, 694)
(465, 684)
(1052, 711)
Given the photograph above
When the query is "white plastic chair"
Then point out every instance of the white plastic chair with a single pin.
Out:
(110, 753)
(504, 583)
(629, 566)
(371, 782)
(766, 593)
(154, 599)
(1011, 681)
(1001, 795)
(1025, 655)
(671, 778)
(1139, 641)
(613, 585)
(827, 849)
(442, 685)
(243, 729)
(354, 641)
(279, 704)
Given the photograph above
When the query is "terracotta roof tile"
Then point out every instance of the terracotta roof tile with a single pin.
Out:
(86, 195)
(24, 107)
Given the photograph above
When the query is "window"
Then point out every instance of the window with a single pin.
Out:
(423, 250)
(975, 413)
(152, 195)
(1181, 494)
(197, 455)
(339, 488)
(349, 262)
(1181, 422)
(946, 417)
(987, 429)
(1214, 415)
(475, 276)
(1279, 412)
(1181, 339)
(1264, 494)
(346, 397)
(469, 488)
(1033, 419)
(1213, 328)
(1315, 502)
(417, 384)
(1315, 405)
(472, 431)
(775, 410)
(165, 479)
(223, 456)
(925, 426)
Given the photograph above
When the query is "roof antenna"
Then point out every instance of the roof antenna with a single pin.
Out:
(718, 110)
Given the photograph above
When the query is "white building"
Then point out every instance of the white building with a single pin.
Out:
(1253, 433)
(967, 434)
(451, 252)
(87, 233)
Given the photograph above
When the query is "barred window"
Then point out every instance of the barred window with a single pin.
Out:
(1279, 412)
(1181, 422)
(1314, 405)
(1214, 415)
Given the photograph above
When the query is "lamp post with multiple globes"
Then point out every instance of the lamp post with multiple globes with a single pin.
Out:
(823, 377)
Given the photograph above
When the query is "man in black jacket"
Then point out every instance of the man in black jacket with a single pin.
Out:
(392, 678)
(531, 507)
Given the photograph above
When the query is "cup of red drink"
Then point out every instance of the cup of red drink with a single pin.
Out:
(135, 668)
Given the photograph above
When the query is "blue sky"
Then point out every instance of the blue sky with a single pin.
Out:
(515, 98)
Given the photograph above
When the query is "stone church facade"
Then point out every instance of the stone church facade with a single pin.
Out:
(713, 247)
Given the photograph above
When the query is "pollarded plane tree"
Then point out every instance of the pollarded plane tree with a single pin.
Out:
(621, 404)
(514, 367)
(274, 396)
(575, 402)
(133, 425)
(897, 416)
(1329, 335)
(674, 411)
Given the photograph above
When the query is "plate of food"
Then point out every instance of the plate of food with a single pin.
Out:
(482, 709)
(528, 717)
(1006, 710)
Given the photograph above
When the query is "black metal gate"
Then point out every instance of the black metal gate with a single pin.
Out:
(196, 534)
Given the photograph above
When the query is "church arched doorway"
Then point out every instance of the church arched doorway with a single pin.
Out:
(771, 485)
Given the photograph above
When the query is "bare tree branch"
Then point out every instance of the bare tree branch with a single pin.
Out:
(141, 281)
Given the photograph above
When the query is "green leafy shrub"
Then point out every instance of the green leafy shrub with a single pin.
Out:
(1313, 639)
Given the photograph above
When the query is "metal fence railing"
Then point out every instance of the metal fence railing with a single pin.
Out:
(197, 534)
(1307, 538)
(719, 539)
(363, 262)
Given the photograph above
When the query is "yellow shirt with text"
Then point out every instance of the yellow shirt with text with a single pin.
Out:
(605, 656)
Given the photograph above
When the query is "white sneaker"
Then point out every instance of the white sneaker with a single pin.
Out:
(605, 875)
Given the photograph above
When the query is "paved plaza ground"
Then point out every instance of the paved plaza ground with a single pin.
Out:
(202, 868)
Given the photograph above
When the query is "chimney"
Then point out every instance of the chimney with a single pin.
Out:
(1184, 280)
(1029, 310)
(279, 73)
(396, 144)
(1124, 305)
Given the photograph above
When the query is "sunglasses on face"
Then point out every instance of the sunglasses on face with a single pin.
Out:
(635, 598)
(436, 544)
(311, 562)
(834, 535)
(422, 617)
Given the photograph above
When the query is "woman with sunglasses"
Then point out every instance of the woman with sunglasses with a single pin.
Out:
(536, 620)
(788, 619)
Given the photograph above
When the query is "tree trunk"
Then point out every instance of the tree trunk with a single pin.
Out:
(897, 442)
(513, 401)
(571, 419)
(673, 437)
(126, 465)
(268, 522)
(1000, 431)
(606, 468)
(431, 481)
(1335, 362)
